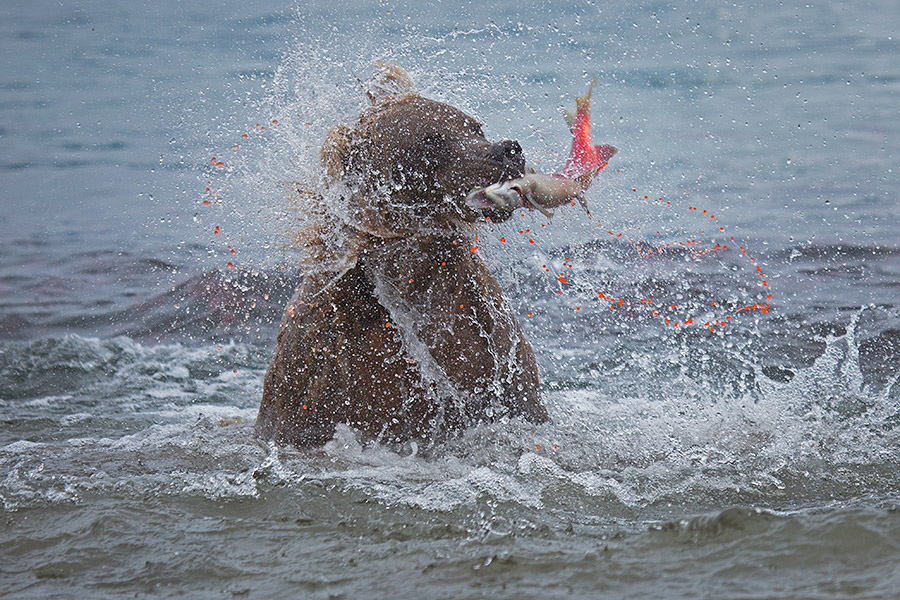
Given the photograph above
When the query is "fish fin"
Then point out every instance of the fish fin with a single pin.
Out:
(605, 152)
(569, 116)
(546, 212)
(586, 179)
(583, 201)
(583, 103)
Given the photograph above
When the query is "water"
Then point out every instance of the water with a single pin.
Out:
(758, 461)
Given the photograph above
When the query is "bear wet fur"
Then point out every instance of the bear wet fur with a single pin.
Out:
(409, 336)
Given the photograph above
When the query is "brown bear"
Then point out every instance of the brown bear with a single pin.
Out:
(406, 336)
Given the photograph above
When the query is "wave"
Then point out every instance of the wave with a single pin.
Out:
(115, 417)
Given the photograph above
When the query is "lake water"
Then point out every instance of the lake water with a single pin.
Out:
(755, 460)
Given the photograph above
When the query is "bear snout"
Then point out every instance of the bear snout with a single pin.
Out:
(508, 153)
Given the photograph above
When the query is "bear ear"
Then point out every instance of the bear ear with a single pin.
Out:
(389, 81)
(335, 151)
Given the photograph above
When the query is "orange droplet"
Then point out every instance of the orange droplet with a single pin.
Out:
(503, 239)
(387, 324)
(220, 164)
(530, 241)
(529, 314)
(536, 447)
(216, 232)
(212, 161)
(304, 407)
(473, 249)
(206, 203)
(244, 135)
(274, 121)
(230, 265)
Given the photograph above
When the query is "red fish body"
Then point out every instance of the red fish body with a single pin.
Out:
(584, 156)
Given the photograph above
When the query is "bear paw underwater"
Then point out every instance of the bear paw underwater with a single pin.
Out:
(408, 335)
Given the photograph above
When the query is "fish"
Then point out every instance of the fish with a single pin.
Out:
(542, 191)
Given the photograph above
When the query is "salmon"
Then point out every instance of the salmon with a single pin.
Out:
(543, 191)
